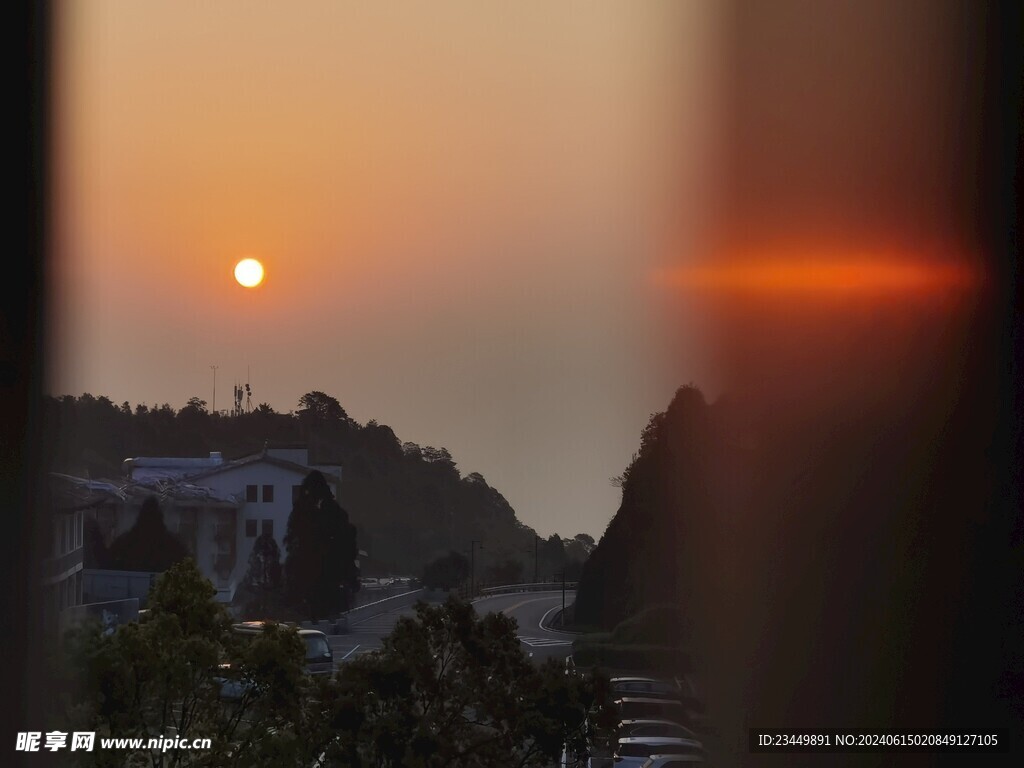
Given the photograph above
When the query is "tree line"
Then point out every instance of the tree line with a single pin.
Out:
(410, 504)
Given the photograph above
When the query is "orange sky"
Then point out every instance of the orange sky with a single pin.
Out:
(458, 206)
(461, 207)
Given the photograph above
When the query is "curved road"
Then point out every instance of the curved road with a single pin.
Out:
(529, 609)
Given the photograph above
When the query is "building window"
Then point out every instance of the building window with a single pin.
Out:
(250, 529)
(250, 493)
(268, 493)
(268, 527)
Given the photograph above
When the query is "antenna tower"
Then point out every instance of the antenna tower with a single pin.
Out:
(248, 393)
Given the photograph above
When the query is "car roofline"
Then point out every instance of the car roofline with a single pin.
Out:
(647, 699)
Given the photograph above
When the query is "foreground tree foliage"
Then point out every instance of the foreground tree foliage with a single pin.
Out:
(450, 688)
(165, 675)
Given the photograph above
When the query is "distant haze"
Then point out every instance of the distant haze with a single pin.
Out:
(459, 207)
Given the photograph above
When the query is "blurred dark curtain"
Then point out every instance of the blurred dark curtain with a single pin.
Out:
(864, 565)
(21, 377)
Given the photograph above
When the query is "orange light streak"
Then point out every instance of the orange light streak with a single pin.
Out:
(854, 275)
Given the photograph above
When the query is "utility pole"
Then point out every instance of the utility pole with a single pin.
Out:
(213, 405)
(472, 567)
(536, 546)
(562, 618)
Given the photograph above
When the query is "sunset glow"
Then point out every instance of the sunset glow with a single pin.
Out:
(439, 197)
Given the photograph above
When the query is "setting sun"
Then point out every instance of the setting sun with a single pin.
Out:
(249, 273)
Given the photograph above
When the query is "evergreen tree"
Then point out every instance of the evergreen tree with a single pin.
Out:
(320, 570)
(446, 572)
(147, 545)
(263, 576)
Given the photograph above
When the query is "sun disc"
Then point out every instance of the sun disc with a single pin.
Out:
(249, 273)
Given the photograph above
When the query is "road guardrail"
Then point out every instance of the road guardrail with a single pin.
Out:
(375, 608)
(544, 586)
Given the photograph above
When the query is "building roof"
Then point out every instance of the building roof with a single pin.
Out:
(169, 466)
(75, 493)
(71, 494)
(258, 458)
(167, 478)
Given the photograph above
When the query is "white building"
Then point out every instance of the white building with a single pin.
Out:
(261, 489)
(217, 509)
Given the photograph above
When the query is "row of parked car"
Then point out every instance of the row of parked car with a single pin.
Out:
(656, 727)
(372, 582)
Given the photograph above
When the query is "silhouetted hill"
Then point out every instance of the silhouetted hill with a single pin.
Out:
(639, 561)
(410, 503)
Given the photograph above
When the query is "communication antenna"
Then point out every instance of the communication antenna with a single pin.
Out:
(248, 392)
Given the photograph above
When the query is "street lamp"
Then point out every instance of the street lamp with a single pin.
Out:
(536, 542)
(213, 405)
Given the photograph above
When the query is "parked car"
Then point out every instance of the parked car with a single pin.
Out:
(643, 707)
(672, 761)
(654, 727)
(634, 752)
(319, 657)
(649, 687)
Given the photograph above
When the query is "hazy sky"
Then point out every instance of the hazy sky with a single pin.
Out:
(460, 207)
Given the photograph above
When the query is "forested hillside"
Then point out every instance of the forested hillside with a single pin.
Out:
(640, 560)
(821, 540)
(410, 503)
